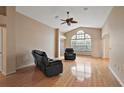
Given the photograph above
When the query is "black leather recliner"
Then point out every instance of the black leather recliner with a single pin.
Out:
(49, 67)
(69, 54)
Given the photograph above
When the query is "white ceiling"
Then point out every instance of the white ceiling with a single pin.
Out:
(95, 16)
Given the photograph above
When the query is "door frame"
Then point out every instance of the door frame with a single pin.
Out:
(4, 48)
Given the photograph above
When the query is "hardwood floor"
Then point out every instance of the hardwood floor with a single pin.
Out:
(98, 75)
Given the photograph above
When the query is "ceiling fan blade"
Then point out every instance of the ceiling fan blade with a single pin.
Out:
(70, 19)
(74, 22)
(63, 23)
(62, 20)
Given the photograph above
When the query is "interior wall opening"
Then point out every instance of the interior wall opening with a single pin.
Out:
(2, 49)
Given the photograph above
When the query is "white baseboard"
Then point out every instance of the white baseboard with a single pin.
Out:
(4, 73)
(122, 84)
(23, 66)
(27, 65)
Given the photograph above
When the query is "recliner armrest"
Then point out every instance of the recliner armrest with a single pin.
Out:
(55, 62)
(50, 59)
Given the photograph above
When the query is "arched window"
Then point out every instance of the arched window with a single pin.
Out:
(81, 41)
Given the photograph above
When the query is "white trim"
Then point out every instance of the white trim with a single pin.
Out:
(23, 66)
(4, 73)
(122, 84)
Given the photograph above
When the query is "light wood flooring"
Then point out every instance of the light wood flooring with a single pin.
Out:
(33, 77)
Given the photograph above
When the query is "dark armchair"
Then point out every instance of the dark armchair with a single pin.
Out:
(69, 54)
(49, 67)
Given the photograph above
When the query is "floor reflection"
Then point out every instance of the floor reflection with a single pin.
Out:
(81, 71)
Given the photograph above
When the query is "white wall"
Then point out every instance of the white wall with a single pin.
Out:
(96, 41)
(115, 27)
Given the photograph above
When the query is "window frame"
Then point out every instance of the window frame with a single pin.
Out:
(77, 35)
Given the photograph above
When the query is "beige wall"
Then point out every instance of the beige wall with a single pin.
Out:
(11, 43)
(30, 35)
(105, 40)
(3, 24)
(62, 43)
(3, 20)
(105, 46)
(4, 50)
(115, 27)
(95, 34)
(21, 35)
(3, 10)
(9, 46)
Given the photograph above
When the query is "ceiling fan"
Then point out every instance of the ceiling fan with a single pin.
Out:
(69, 20)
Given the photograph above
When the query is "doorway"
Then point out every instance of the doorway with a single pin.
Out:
(105, 44)
(1, 63)
(2, 29)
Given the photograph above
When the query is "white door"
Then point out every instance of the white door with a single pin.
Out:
(0, 49)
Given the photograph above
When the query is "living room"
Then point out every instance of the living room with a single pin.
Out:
(27, 28)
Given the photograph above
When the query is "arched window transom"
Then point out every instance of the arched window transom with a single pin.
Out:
(81, 41)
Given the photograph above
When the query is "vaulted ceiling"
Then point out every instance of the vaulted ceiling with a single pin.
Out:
(87, 16)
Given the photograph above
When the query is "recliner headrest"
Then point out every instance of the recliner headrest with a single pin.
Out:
(69, 50)
(41, 53)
